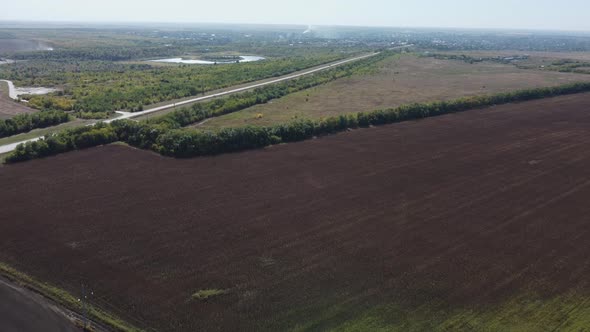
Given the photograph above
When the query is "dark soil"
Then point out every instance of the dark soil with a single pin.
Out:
(466, 209)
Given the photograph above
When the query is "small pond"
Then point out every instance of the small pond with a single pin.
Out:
(242, 58)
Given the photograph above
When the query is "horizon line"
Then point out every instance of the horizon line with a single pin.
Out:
(154, 22)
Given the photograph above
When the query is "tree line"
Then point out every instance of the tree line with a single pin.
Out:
(185, 143)
(105, 53)
(23, 123)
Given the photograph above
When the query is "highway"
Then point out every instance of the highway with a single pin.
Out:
(130, 115)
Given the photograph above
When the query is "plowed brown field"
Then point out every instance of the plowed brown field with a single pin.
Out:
(477, 220)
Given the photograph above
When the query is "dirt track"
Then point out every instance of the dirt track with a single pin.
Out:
(460, 212)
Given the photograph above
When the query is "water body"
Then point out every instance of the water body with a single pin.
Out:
(6, 61)
(34, 91)
(243, 58)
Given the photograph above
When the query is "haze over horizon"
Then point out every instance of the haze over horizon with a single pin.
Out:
(500, 14)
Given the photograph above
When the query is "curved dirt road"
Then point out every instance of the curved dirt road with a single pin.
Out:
(11, 90)
(23, 311)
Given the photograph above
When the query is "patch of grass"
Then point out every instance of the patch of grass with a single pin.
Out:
(65, 299)
(121, 144)
(525, 312)
(205, 294)
(3, 157)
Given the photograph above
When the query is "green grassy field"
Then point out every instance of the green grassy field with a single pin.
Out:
(525, 312)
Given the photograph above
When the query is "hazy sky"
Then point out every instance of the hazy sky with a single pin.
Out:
(527, 14)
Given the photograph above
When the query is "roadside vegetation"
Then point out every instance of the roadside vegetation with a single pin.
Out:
(167, 140)
(44, 131)
(26, 122)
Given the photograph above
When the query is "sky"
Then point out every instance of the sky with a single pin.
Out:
(508, 14)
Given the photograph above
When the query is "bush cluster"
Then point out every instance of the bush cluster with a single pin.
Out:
(23, 123)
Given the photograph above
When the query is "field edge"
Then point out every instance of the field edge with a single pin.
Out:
(64, 299)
